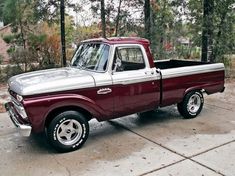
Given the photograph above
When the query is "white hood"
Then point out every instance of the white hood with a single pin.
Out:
(50, 80)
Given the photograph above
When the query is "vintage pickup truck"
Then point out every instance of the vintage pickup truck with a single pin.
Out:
(107, 78)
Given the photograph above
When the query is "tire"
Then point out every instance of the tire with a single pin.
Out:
(68, 131)
(191, 105)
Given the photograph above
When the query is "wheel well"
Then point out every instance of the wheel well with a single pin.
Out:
(57, 111)
(194, 90)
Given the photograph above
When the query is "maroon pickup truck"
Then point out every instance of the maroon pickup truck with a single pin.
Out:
(107, 78)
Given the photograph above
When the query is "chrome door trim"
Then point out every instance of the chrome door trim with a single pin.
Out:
(104, 91)
(134, 81)
(136, 76)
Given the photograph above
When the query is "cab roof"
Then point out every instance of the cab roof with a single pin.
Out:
(120, 40)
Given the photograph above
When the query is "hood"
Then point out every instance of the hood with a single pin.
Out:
(50, 80)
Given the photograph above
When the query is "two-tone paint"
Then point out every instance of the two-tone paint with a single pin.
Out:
(107, 95)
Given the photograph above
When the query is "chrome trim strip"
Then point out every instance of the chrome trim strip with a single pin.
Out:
(127, 81)
(104, 91)
(14, 100)
(136, 76)
(191, 70)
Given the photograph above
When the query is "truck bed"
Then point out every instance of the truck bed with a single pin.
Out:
(178, 76)
(166, 64)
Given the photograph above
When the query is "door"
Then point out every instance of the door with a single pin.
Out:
(94, 62)
(136, 86)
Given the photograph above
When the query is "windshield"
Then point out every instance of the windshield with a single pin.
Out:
(92, 56)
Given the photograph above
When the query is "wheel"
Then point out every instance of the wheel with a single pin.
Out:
(191, 105)
(68, 131)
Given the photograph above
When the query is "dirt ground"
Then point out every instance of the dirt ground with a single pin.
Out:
(162, 143)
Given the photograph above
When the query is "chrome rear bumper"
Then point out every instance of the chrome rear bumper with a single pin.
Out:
(24, 129)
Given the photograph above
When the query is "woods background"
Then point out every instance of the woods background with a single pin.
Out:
(177, 29)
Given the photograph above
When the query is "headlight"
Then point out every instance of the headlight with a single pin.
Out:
(19, 107)
(19, 98)
(22, 112)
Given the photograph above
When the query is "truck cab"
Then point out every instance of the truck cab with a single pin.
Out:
(121, 71)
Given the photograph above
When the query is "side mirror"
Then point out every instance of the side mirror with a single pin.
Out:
(117, 65)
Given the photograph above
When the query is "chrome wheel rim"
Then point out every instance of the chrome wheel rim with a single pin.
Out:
(194, 103)
(69, 132)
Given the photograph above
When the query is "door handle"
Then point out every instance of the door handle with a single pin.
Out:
(104, 91)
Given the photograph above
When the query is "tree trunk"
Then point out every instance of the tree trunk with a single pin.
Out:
(147, 22)
(207, 29)
(21, 27)
(215, 52)
(22, 34)
(210, 30)
(103, 19)
(118, 16)
(62, 30)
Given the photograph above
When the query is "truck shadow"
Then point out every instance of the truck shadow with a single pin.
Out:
(99, 130)
(40, 144)
(159, 116)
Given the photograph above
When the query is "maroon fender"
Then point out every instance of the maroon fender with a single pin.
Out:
(216, 85)
(39, 108)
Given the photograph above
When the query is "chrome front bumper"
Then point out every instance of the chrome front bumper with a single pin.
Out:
(24, 129)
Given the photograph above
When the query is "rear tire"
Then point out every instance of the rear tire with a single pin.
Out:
(191, 105)
(68, 131)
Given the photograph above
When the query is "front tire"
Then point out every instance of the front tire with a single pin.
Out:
(191, 105)
(68, 131)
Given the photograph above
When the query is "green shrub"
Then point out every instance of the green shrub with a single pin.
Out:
(11, 50)
(8, 38)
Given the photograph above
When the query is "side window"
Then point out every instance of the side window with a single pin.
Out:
(129, 58)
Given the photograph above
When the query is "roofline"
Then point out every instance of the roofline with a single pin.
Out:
(115, 40)
(95, 40)
(5, 26)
